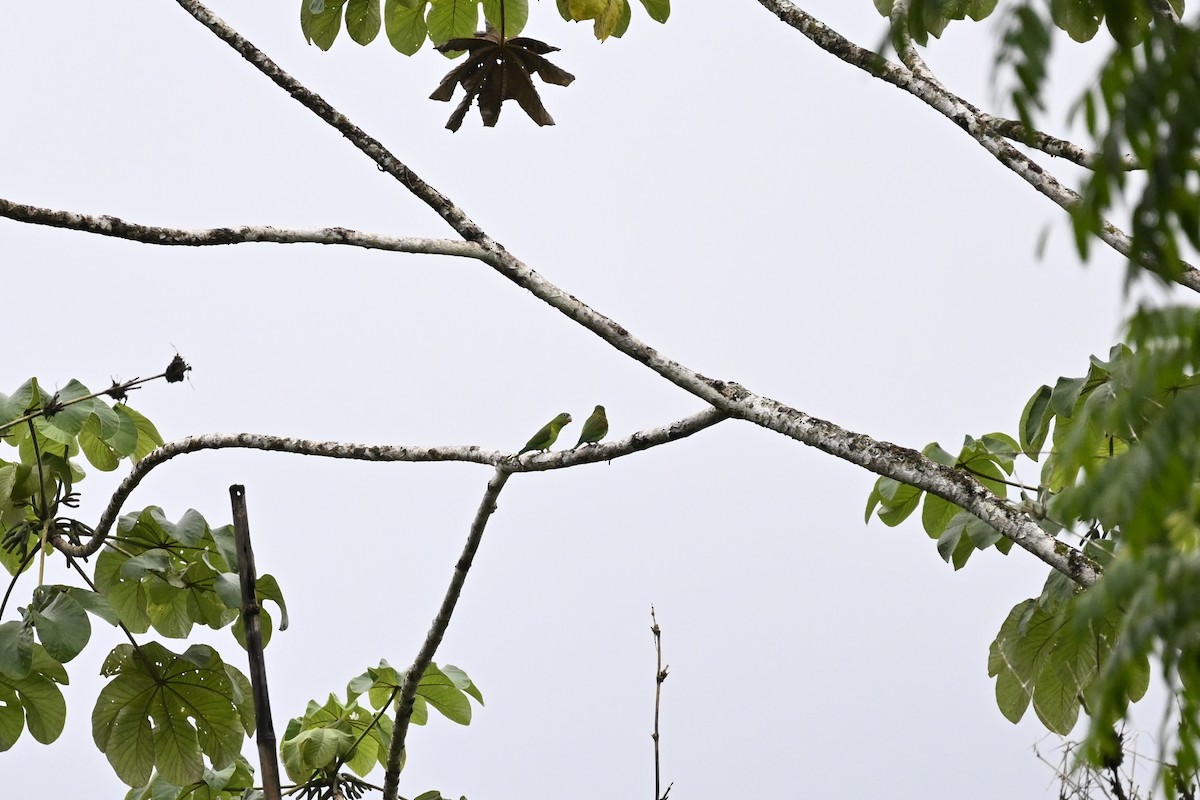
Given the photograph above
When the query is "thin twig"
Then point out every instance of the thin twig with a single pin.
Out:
(118, 388)
(412, 677)
(15, 577)
(559, 459)
(660, 675)
(247, 577)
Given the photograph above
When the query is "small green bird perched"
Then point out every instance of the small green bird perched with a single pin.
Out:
(595, 427)
(548, 435)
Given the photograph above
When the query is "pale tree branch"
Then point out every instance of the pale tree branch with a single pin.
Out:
(1164, 12)
(900, 463)
(473, 454)
(412, 677)
(153, 234)
(924, 86)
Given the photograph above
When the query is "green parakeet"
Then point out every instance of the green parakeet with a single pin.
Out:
(595, 427)
(547, 435)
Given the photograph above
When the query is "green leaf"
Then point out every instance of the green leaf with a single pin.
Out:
(1035, 422)
(934, 452)
(148, 436)
(164, 711)
(150, 561)
(65, 425)
(321, 27)
(624, 20)
(16, 649)
(107, 422)
(936, 514)
(98, 452)
(191, 528)
(452, 19)
(267, 588)
(61, 623)
(1065, 395)
(405, 25)
(34, 700)
(93, 602)
(658, 10)
(365, 756)
(516, 15)
(363, 20)
(127, 597)
(899, 500)
(314, 749)
(1079, 18)
(462, 681)
(440, 692)
(229, 588)
(979, 10)
(172, 611)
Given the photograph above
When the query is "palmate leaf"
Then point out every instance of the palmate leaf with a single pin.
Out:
(33, 700)
(495, 71)
(327, 734)
(165, 711)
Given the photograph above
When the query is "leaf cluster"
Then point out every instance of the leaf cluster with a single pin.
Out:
(408, 24)
(171, 576)
(959, 533)
(164, 712)
(1048, 656)
(930, 17)
(336, 733)
(49, 431)
(1124, 464)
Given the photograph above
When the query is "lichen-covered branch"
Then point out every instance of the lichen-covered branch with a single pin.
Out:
(558, 459)
(412, 677)
(153, 234)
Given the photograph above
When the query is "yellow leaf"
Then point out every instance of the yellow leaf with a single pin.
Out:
(607, 21)
(586, 9)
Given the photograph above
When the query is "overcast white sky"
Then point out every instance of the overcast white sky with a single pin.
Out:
(739, 199)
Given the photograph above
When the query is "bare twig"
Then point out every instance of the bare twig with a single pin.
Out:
(247, 575)
(558, 459)
(412, 677)
(105, 225)
(660, 676)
